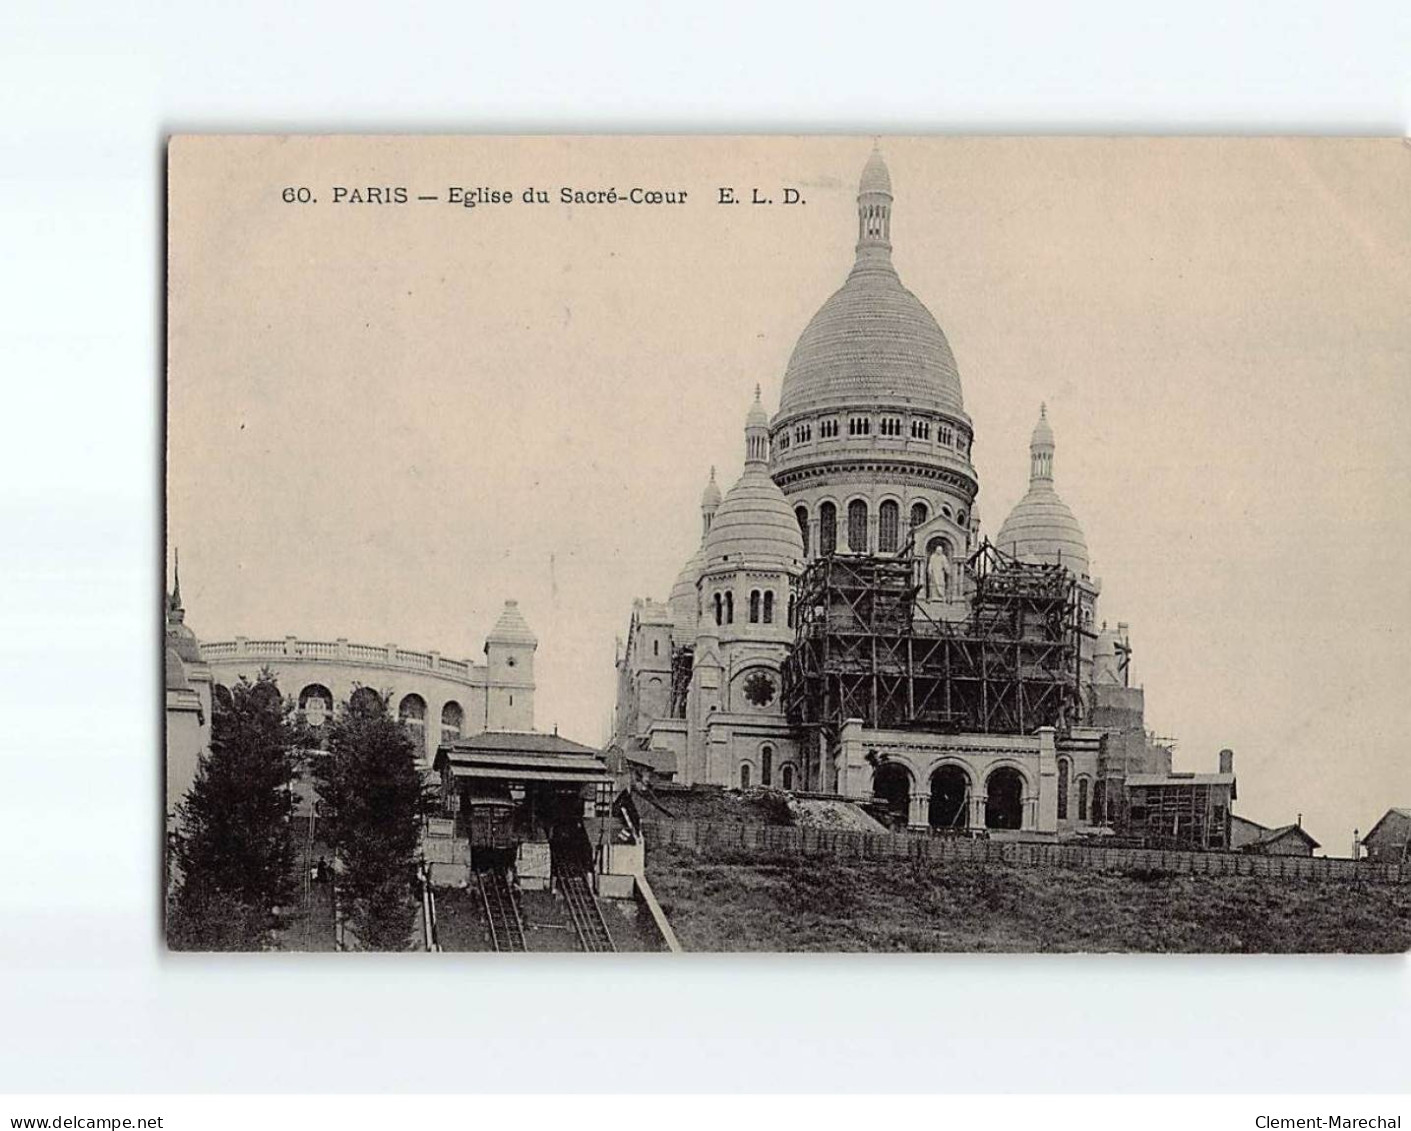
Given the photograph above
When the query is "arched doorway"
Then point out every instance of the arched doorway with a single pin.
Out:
(950, 794)
(412, 715)
(1004, 799)
(316, 702)
(892, 784)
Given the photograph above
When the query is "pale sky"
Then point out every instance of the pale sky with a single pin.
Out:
(384, 420)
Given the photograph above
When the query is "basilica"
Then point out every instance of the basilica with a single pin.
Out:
(847, 627)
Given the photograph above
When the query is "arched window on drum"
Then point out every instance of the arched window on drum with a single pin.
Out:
(827, 529)
(857, 526)
(888, 524)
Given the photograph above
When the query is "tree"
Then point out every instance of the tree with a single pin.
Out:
(372, 801)
(233, 849)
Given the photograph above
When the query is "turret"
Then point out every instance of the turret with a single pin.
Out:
(509, 657)
(710, 503)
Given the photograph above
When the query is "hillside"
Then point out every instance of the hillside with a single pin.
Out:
(722, 900)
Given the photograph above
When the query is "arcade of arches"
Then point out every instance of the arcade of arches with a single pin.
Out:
(950, 801)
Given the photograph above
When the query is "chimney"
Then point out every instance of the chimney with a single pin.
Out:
(1227, 761)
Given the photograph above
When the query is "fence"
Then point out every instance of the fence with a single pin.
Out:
(847, 843)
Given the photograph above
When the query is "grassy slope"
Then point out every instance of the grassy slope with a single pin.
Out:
(726, 901)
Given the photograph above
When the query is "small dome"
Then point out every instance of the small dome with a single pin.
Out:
(875, 177)
(754, 525)
(1041, 528)
(183, 640)
(176, 671)
(710, 497)
(682, 601)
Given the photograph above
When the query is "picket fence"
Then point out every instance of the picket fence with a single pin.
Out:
(940, 850)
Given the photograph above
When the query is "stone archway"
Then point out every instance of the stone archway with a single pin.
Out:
(1004, 799)
(950, 797)
(891, 783)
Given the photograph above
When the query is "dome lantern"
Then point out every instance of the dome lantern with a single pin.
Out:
(874, 213)
(1041, 448)
(757, 432)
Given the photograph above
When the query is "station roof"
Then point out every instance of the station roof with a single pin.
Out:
(522, 756)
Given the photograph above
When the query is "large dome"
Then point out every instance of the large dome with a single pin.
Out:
(1041, 527)
(872, 342)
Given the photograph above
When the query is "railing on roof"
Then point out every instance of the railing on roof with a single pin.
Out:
(341, 651)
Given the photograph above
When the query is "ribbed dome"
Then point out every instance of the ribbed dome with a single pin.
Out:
(754, 524)
(872, 342)
(1042, 528)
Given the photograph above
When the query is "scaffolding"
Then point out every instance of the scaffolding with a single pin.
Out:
(682, 664)
(1192, 814)
(866, 648)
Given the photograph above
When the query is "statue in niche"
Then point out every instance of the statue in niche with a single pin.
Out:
(938, 573)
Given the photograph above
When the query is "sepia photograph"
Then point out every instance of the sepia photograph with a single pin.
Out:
(835, 543)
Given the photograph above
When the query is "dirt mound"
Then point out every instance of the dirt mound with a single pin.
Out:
(825, 813)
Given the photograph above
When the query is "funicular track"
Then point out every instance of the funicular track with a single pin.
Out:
(501, 912)
(587, 916)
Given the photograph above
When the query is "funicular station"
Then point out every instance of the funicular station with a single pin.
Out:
(523, 823)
